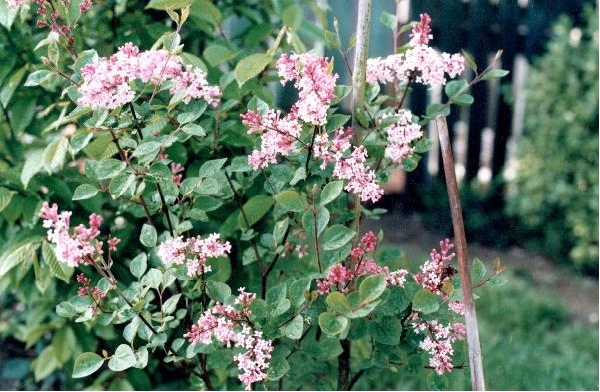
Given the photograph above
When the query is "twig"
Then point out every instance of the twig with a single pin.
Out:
(475, 359)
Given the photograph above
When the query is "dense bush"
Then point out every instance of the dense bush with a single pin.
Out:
(555, 192)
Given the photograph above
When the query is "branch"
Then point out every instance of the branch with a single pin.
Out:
(475, 360)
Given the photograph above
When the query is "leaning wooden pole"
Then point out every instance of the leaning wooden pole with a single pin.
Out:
(475, 359)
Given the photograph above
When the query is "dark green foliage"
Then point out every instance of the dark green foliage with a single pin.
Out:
(555, 192)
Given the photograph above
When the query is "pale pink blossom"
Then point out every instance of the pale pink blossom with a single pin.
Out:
(107, 82)
(78, 247)
(401, 135)
(420, 62)
(457, 307)
(438, 343)
(229, 325)
(194, 252)
(435, 271)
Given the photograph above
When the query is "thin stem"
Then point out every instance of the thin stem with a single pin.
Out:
(475, 359)
(265, 274)
(344, 366)
(164, 204)
(316, 238)
(355, 378)
(136, 125)
(310, 149)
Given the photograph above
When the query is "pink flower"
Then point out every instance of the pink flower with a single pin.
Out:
(435, 271)
(228, 325)
(438, 343)
(80, 247)
(312, 76)
(421, 62)
(457, 307)
(400, 135)
(107, 81)
(193, 251)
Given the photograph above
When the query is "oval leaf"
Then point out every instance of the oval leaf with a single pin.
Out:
(86, 364)
(122, 359)
(251, 66)
(425, 301)
(337, 236)
(331, 191)
(371, 288)
(85, 191)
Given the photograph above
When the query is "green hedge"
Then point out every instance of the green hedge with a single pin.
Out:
(555, 192)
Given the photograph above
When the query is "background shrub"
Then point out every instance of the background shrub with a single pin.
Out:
(555, 192)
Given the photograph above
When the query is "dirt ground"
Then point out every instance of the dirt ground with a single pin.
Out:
(579, 294)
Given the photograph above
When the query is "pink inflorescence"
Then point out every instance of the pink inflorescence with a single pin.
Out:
(438, 343)
(228, 325)
(80, 247)
(351, 167)
(193, 251)
(400, 135)
(315, 82)
(436, 271)
(339, 275)
(420, 62)
(107, 81)
(278, 135)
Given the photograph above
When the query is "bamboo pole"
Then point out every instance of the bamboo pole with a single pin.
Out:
(475, 359)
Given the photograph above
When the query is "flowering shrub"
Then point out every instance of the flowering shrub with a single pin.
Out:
(197, 184)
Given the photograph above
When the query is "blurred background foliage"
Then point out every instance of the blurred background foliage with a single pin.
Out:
(529, 340)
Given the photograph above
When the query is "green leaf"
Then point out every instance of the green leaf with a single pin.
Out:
(55, 154)
(425, 302)
(336, 121)
(6, 196)
(297, 290)
(60, 270)
(15, 256)
(291, 201)
(251, 66)
(255, 208)
(216, 54)
(45, 363)
(320, 220)
(171, 4)
(122, 359)
(218, 291)
(64, 343)
(37, 77)
(477, 269)
(276, 294)
(278, 367)
(194, 130)
(170, 305)
(122, 184)
(85, 191)
(331, 191)
(337, 236)
(341, 92)
(411, 162)
(153, 278)
(11, 85)
(109, 168)
(131, 329)
(292, 17)
(293, 330)
(338, 302)
(386, 330)
(455, 88)
(138, 265)
(495, 74)
(437, 109)
(86, 364)
(469, 60)
(463, 100)
(212, 167)
(33, 164)
(371, 288)
(147, 151)
(331, 324)
(423, 145)
(148, 235)
(388, 20)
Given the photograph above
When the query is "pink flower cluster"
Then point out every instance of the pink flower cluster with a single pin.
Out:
(438, 342)
(193, 251)
(339, 276)
(361, 179)
(81, 247)
(421, 62)
(278, 135)
(229, 325)
(107, 81)
(84, 290)
(315, 82)
(400, 135)
(436, 271)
